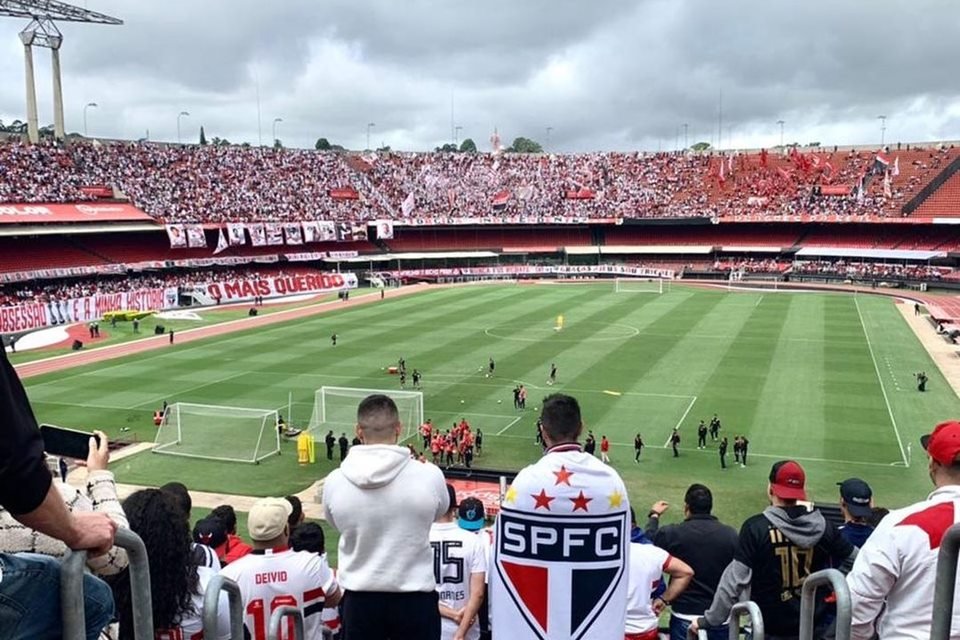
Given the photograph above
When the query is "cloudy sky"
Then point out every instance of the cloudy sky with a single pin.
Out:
(602, 74)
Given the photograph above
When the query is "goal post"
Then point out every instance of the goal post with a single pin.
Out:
(335, 408)
(212, 432)
(641, 285)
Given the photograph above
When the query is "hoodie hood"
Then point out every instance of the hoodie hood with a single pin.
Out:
(370, 466)
(803, 528)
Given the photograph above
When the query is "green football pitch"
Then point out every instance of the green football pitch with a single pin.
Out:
(826, 379)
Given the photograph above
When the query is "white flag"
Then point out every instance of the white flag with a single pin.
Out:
(896, 167)
(887, 189)
(222, 244)
(408, 205)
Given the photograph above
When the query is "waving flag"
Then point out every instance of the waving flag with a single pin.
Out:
(222, 244)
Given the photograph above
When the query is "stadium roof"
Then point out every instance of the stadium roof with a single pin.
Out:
(53, 10)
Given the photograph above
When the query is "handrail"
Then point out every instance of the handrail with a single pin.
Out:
(808, 596)
(71, 588)
(751, 609)
(276, 621)
(945, 584)
(211, 607)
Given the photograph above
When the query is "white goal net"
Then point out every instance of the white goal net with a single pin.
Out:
(335, 408)
(213, 432)
(641, 285)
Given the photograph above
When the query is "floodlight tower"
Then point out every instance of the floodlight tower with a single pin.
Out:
(42, 32)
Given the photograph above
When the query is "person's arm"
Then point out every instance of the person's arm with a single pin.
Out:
(681, 574)
(102, 493)
(469, 613)
(450, 614)
(734, 581)
(875, 572)
(653, 518)
(332, 599)
(82, 530)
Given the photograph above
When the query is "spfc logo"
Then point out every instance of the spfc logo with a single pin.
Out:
(561, 571)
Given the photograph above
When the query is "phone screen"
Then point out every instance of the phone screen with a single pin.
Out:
(69, 443)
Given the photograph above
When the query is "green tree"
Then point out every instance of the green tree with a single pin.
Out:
(700, 146)
(384, 149)
(203, 137)
(323, 145)
(277, 144)
(447, 148)
(468, 146)
(525, 145)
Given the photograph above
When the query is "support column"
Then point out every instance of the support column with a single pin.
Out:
(33, 128)
(58, 130)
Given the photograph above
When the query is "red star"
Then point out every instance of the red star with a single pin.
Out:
(580, 502)
(563, 476)
(543, 500)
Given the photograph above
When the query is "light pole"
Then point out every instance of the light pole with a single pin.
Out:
(549, 129)
(883, 128)
(180, 115)
(686, 141)
(85, 107)
(456, 134)
(781, 123)
(370, 125)
(276, 121)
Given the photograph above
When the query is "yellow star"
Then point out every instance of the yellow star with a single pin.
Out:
(511, 496)
(616, 499)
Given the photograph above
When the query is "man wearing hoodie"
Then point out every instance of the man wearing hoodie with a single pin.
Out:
(777, 550)
(385, 565)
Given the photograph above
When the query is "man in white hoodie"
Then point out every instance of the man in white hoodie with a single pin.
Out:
(383, 502)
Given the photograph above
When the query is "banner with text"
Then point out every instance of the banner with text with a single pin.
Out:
(94, 212)
(36, 315)
(249, 288)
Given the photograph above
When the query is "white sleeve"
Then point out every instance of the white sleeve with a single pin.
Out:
(323, 574)
(479, 564)
(874, 573)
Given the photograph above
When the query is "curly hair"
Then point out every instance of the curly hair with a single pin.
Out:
(157, 517)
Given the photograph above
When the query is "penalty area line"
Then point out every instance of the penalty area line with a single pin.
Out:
(693, 400)
(512, 422)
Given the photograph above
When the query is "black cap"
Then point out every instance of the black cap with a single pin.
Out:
(471, 514)
(210, 532)
(857, 495)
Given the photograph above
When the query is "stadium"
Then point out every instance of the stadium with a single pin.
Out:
(218, 311)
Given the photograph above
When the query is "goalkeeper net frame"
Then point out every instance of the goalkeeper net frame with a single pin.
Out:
(226, 435)
(641, 285)
(342, 416)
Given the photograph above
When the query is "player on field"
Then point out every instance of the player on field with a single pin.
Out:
(403, 379)
(330, 440)
(402, 365)
(426, 431)
(561, 541)
(744, 443)
(459, 567)
(416, 379)
(702, 435)
(675, 442)
(714, 427)
(273, 575)
(333, 340)
(637, 447)
(553, 374)
(491, 366)
(723, 452)
(523, 397)
(604, 450)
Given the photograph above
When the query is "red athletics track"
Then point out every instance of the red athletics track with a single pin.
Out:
(66, 361)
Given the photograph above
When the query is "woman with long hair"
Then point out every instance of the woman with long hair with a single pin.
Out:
(177, 583)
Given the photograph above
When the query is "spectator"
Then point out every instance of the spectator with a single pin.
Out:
(704, 543)
(234, 548)
(204, 555)
(177, 582)
(892, 582)
(31, 583)
(582, 497)
(648, 563)
(296, 515)
(99, 495)
(788, 530)
(385, 567)
(309, 537)
(856, 505)
(273, 573)
(460, 566)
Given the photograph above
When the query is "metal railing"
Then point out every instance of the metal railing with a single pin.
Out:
(211, 608)
(71, 588)
(748, 608)
(277, 621)
(946, 584)
(808, 603)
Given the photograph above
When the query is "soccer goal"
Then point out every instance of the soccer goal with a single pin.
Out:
(336, 408)
(641, 285)
(213, 432)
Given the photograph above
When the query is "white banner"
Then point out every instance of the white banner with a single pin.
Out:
(384, 229)
(36, 315)
(249, 288)
(258, 236)
(311, 231)
(177, 235)
(293, 233)
(196, 238)
(274, 233)
(524, 270)
(235, 233)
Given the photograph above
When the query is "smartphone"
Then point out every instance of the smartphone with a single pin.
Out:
(69, 443)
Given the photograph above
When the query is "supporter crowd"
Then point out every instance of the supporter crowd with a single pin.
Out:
(871, 270)
(241, 184)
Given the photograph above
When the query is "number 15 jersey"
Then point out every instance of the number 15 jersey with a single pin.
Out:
(457, 554)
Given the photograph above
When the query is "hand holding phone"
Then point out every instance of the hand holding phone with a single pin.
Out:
(69, 443)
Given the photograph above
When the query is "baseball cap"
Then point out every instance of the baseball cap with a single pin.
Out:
(943, 444)
(856, 494)
(268, 517)
(210, 531)
(471, 514)
(787, 480)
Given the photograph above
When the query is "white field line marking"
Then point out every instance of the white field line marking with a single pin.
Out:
(759, 300)
(883, 388)
(680, 421)
(512, 422)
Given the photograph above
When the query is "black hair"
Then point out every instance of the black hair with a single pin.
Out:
(698, 499)
(308, 537)
(179, 491)
(378, 414)
(296, 513)
(561, 417)
(227, 516)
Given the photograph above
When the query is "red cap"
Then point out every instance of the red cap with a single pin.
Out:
(787, 480)
(943, 444)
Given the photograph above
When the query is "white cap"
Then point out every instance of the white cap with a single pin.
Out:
(267, 518)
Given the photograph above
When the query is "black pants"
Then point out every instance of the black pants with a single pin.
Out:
(370, 615)
(637, 456)
(676, 454)
(701, 440)
(329, 453)
(723, 461)
(743, 457)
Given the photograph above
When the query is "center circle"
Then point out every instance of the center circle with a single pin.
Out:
(572, 332)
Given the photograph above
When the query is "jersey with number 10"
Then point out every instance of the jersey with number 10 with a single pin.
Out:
(457, 554)
(279, 577)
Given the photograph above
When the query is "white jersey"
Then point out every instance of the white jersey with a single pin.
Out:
(647, 564)
(191, 624)
(457, 555)
(277, 577)
(561, 551)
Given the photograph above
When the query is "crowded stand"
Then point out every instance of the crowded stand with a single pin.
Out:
(870, 270)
